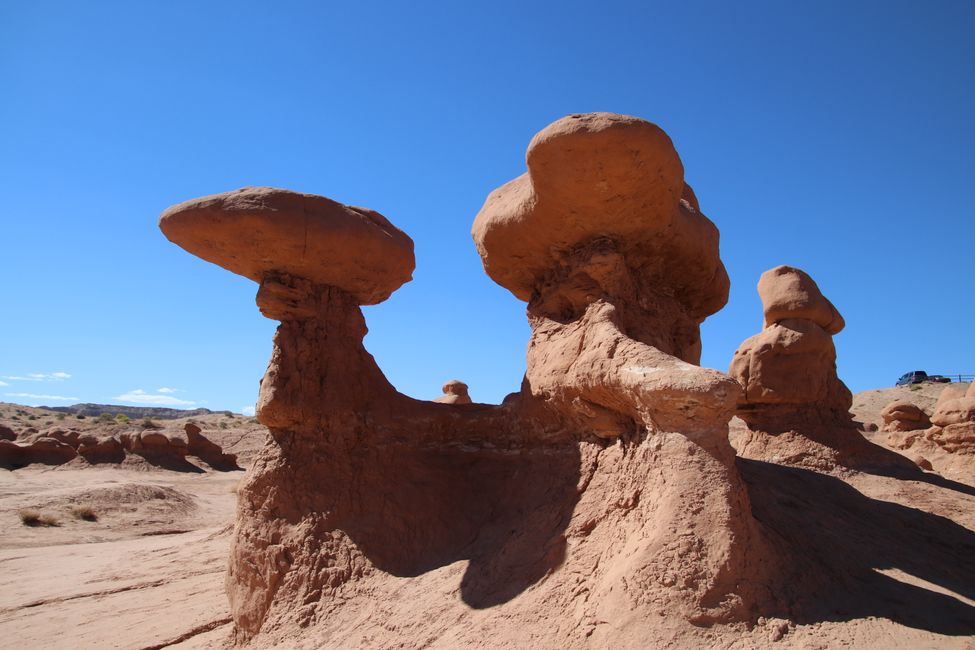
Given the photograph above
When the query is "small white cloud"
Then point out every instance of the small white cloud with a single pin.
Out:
(53, 398)
(40, 376)
(168, 391)
(139, 396)
(3, 383)
(247, 410)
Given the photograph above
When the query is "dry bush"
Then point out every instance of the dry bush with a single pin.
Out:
(84, 512)
(35, 518)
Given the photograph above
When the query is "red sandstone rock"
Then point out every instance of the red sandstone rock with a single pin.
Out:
(954, 411)
(901, 415)
(6, 433)
(203, 448)
(789, 293)
(101, 449)
(609, 475)
(257, 230)
(454, 392)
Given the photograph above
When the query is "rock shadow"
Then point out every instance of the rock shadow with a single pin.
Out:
(172, 463)
(835, 540)
(415, 510)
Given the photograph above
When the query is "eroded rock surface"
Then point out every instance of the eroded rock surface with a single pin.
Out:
(901, 415)
(794, 407)
(605, 490)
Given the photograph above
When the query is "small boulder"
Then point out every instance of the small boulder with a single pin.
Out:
(954, 411)
(901, 415)
(101, 449)
(454, 392)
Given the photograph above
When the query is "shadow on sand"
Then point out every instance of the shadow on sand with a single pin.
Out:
(836, 541)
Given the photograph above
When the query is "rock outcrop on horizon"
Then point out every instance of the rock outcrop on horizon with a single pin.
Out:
(597, 505)
(454, 392)
(168, 450)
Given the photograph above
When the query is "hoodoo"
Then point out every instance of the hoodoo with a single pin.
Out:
(600, 505)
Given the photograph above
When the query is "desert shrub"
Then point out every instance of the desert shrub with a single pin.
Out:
(59, 416)
(122, 418)
(80, 416)
(84, 512)
(14, 417)
(31, 417)
(147, 423)
(228, 414)
(105, 417)
(223, 425)
(30, 517)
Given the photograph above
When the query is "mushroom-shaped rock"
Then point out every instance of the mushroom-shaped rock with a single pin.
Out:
(789, 293)
(901, 415)
(256, 231)
(50, 451)
(454, 392)
(608, 178)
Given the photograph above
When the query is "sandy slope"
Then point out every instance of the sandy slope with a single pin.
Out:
(881, 561)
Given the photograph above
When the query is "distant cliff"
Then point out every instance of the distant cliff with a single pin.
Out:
(94, 410)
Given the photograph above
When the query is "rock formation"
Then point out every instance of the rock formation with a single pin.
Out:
(901, 415)
(168, 450)
(794, 406)
(454, 392)
(605, 491)
(206, 450)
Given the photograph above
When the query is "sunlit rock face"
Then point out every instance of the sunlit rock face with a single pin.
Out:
(599, 505)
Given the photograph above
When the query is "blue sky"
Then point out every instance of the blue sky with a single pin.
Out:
(836, 137)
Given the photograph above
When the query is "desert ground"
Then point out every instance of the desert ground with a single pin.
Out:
(134, 556)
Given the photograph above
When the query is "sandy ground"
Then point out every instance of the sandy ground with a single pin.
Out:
(148, 571)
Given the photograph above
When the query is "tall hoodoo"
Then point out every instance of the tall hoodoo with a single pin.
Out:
(606, 242)
(604, 491)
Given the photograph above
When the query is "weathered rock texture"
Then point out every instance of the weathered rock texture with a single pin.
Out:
(794, 407)
(599, 506)
(168, 450)
(901, 415)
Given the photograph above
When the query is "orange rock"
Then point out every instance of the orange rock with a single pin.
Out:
(901, 415)
(789, 293)
(257, 230)
(454, 392)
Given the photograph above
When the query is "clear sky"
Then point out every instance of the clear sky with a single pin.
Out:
(833, 136)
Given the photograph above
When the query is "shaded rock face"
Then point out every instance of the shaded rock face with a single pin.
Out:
(611, 466)
(165, 450)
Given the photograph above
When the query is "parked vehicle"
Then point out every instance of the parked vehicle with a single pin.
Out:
(918, 376)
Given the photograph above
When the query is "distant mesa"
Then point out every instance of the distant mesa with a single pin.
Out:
(134, 412)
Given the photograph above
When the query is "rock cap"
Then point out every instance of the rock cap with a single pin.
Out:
(602, 176)
(789, 293)
(256, 230)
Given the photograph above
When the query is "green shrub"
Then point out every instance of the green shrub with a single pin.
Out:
(59, 416)
(147, 423)
(122, 418)
(80, 416)
(105, 417)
